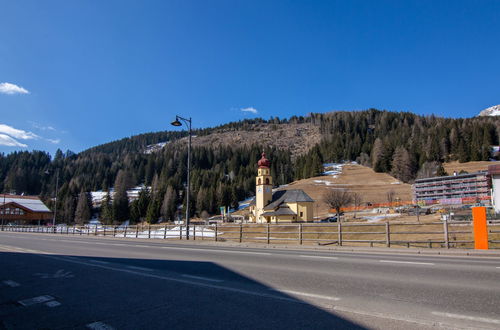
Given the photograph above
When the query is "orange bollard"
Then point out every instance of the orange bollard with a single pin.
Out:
(480, 228)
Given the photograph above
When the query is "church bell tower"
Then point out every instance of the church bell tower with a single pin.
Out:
(263, 186)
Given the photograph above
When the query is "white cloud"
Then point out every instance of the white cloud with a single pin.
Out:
(17, 133)
(41, 127)
(6, 140)
(250, 109)
(8, 88)
(54, 141)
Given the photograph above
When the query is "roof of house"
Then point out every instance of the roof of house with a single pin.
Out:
(282, 210)
(288, 196)
(31, 203)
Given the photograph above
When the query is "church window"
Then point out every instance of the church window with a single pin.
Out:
(259, 181)
(267, 180)
(301, 214)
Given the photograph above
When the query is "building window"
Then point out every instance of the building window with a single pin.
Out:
(267, 180)
(259, 181)
(301, 214)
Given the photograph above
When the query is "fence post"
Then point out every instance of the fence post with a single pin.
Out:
(387, 235)
(339, 232)
(268, 233)
(114, 231)
(149, 230)
(203, 232)
(95, 233)
(125, 232)
(216, 232)
(446, 238)
(241, 232)
(136, 231)
(165, 232)
(300, 233)
(180, 232)
(104, 230)
(194, 232)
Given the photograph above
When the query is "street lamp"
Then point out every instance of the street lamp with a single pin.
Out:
(177, 123)
(55, 199)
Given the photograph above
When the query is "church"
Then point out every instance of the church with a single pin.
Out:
(281, 206)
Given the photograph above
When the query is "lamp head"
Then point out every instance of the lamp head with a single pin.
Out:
(176, 122)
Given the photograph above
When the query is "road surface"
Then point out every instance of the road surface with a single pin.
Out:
(55, 282)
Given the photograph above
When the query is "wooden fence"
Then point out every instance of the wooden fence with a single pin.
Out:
(445, 234)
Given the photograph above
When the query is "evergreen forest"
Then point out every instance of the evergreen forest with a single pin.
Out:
(403, 144)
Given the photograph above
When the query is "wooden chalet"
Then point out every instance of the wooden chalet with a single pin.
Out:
(23, 210)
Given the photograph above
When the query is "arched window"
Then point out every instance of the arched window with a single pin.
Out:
(267, 180)
(259, 181)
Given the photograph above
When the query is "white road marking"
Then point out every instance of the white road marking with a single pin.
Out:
(12, 284)
(304, 294)
(99, 262)
(498, 267)
(466, 317)
(99, 326)
(179, 280)
(140, 268)
(35, 300)
(408, 262)
(317, 257)
(202, 278)
(53, 303)
(212, 250)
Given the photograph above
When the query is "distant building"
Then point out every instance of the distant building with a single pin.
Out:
(23, 210)
(280, 206)
(467, 188)
(494, 172)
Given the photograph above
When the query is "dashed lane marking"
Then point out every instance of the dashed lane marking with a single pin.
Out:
(305, 294)
(202, 278)
(408, 262)
(317, 257)
(52, 303)
(35, 300)
(180, 280)
(140, 268)
(467, 317)
(12, 284)
(214, 250)
(99, 326)
(99, 262)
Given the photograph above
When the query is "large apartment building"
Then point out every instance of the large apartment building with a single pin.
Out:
(454, 189)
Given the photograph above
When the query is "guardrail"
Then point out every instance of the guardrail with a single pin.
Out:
(445, 234)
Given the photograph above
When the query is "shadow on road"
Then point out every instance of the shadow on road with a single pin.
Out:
(127, 293)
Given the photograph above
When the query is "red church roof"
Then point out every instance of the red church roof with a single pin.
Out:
(264, 162)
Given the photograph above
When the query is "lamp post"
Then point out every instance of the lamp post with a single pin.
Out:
(177, 123)
(55, 199)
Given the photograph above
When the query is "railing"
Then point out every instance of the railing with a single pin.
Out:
(445, 234)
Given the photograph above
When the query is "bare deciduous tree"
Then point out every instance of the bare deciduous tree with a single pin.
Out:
(337, 199)
(357, 199)
(391, 194)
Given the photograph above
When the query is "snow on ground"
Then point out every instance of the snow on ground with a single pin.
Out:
(377, 218)
(332, 169)
(154, 147)
(175, 232)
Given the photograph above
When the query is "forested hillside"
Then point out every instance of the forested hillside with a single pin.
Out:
(400, 143)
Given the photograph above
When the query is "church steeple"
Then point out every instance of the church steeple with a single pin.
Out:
(263, 187)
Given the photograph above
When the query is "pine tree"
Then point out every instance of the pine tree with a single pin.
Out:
(402, 167)
(106, 216)
(83, 212)
(120, 198)
(169, 205)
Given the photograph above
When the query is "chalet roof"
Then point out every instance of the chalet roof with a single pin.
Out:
(288, 196)
(31, 203)
(282, 210)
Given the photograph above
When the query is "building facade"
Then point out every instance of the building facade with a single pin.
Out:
(467, 188)
(279, 206)
(494, 172)
(23, 210)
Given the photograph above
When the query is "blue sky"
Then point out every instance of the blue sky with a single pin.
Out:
(75, 74)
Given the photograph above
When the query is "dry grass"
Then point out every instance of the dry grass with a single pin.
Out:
(468, 167)
(372, 186)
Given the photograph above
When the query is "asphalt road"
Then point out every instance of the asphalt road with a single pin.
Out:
(57, 281)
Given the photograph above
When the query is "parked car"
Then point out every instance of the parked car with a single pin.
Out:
(329, 219)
